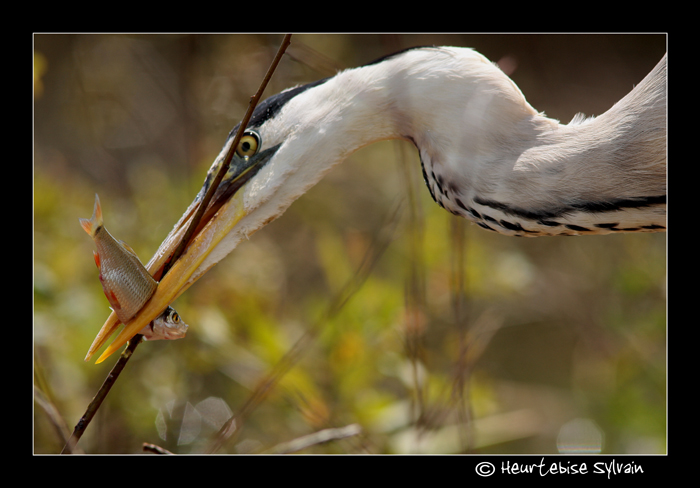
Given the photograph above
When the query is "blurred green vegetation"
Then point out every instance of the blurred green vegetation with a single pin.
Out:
(552, 329)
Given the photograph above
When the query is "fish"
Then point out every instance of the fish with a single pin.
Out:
(126, 282)
(167, 326)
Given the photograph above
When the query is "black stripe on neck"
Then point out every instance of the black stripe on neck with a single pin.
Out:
(587, 207)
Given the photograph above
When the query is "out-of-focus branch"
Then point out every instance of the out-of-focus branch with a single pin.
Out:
(320, 437)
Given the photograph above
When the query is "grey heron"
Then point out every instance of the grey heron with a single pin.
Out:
(486, 155)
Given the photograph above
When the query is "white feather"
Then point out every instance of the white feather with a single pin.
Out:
(475, 130)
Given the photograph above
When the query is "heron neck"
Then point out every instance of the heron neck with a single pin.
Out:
(488, 156)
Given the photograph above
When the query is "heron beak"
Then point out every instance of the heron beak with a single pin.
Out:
(176, 280)
(223, 213)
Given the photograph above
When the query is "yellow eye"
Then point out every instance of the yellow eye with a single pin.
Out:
(248, 144)
(175, 318)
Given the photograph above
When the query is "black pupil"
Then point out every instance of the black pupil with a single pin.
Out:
(245, 147)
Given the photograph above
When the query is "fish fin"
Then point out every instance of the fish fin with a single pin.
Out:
(86, 225)
(128, 249)
(113, 300)
(91, 226)
(97, 258)
(111, 296)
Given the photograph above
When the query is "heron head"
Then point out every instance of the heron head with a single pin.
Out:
(262, 180)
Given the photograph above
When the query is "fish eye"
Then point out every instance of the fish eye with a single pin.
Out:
(175, 317)
(249, 144)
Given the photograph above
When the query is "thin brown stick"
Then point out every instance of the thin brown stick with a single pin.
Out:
(101, 394)
(461, 383)
(134, 342)
(229, 155)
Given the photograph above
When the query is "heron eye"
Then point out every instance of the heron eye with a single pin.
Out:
(248, 144)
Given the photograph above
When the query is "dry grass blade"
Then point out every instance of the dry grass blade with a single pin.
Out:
(53, 415)
(152, 448)
(320, 437)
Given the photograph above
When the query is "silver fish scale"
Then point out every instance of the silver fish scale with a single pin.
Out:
(122, 273)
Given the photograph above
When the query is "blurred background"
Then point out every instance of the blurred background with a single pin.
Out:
(429, 333)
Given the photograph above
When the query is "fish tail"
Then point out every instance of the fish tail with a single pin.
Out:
(91, 226)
